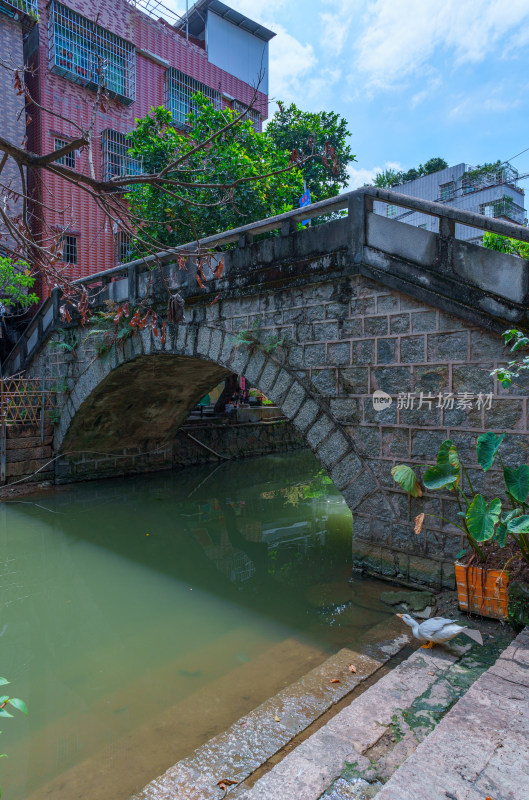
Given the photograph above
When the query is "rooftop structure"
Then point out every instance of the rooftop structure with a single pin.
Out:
(491, 190)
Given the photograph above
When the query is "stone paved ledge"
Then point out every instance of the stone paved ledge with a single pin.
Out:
(480, 749)
(361, 747)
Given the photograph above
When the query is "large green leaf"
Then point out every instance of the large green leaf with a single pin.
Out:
(440, 477)
(16, 702)
(501, 534)
(406, 478)
(447, 471)
(448, 455)
(519, 524)
(517, 482)
(508, 515)
(487, 446)
(482, 518)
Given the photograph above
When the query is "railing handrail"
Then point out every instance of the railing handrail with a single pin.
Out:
(333, 204)
(245, 233)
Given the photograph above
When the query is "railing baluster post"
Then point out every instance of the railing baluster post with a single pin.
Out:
(356, 214)
(288, 226)
(447, 227)
(245, 239)
(56, 295)
(133, 283)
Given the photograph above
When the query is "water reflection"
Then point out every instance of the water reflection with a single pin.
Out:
(141, 616)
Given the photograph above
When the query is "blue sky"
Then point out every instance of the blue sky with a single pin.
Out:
(414, 78)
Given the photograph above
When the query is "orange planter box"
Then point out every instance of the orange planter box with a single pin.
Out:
(482, 591)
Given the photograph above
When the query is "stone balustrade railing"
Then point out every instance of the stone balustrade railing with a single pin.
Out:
(127, 281)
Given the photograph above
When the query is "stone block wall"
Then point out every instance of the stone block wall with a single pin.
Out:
(345, 338)
(232, 441)
(350, 338)
(27, 451)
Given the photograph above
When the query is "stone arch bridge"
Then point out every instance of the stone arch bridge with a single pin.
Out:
(365, 303)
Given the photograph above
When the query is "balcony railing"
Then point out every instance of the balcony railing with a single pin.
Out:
(28, 7)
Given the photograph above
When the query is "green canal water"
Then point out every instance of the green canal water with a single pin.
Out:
(142, 616)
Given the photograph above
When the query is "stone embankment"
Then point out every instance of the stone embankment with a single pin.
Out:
(29, 449)
(30, 457)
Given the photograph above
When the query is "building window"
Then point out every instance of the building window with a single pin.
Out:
(123, 247)
(78, 49)
(504, 207)
(447, 191)
(252, 115)
(179, 91)
(69, 249)
(391, 211)
(69, 159)
(487, 209)
(115, 159)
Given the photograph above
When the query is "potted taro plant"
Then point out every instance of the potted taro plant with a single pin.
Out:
(497, 530)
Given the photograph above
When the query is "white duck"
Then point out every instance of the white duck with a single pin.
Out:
(438, 630)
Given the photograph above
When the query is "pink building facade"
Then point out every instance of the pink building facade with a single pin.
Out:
(150, 62)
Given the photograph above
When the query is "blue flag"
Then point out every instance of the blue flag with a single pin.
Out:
(305, 200)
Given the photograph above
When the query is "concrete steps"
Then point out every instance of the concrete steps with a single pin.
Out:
(358, 751)
(480, 749)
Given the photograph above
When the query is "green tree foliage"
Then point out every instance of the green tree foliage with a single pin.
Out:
(502, 244)
(292, 129)
(226, 189)
(15, 282)
(390, 177)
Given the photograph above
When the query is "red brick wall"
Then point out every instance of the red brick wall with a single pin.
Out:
(72, 102)
(12, 125)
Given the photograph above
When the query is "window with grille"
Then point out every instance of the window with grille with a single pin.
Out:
(447, 191)
(80, 50)
(391, 211)
(504, 207)
(115, 160)
(251, 114)
(69, 249)
(179, 91)
(69, 159)
(123, 247)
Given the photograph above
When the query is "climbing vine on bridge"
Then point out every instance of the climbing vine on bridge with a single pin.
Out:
(119, 322)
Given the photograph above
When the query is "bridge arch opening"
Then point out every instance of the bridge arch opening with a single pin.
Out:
(131, 403)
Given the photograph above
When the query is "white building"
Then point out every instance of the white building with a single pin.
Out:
(492, 191)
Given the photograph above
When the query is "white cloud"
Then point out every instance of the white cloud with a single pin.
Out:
(398, 37)
(488, 100)
(290, 63)
(359, 176)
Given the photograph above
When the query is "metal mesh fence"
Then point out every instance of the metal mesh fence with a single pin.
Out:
(115, 160)
(79, 50)
(179, 91)
(156, 9)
